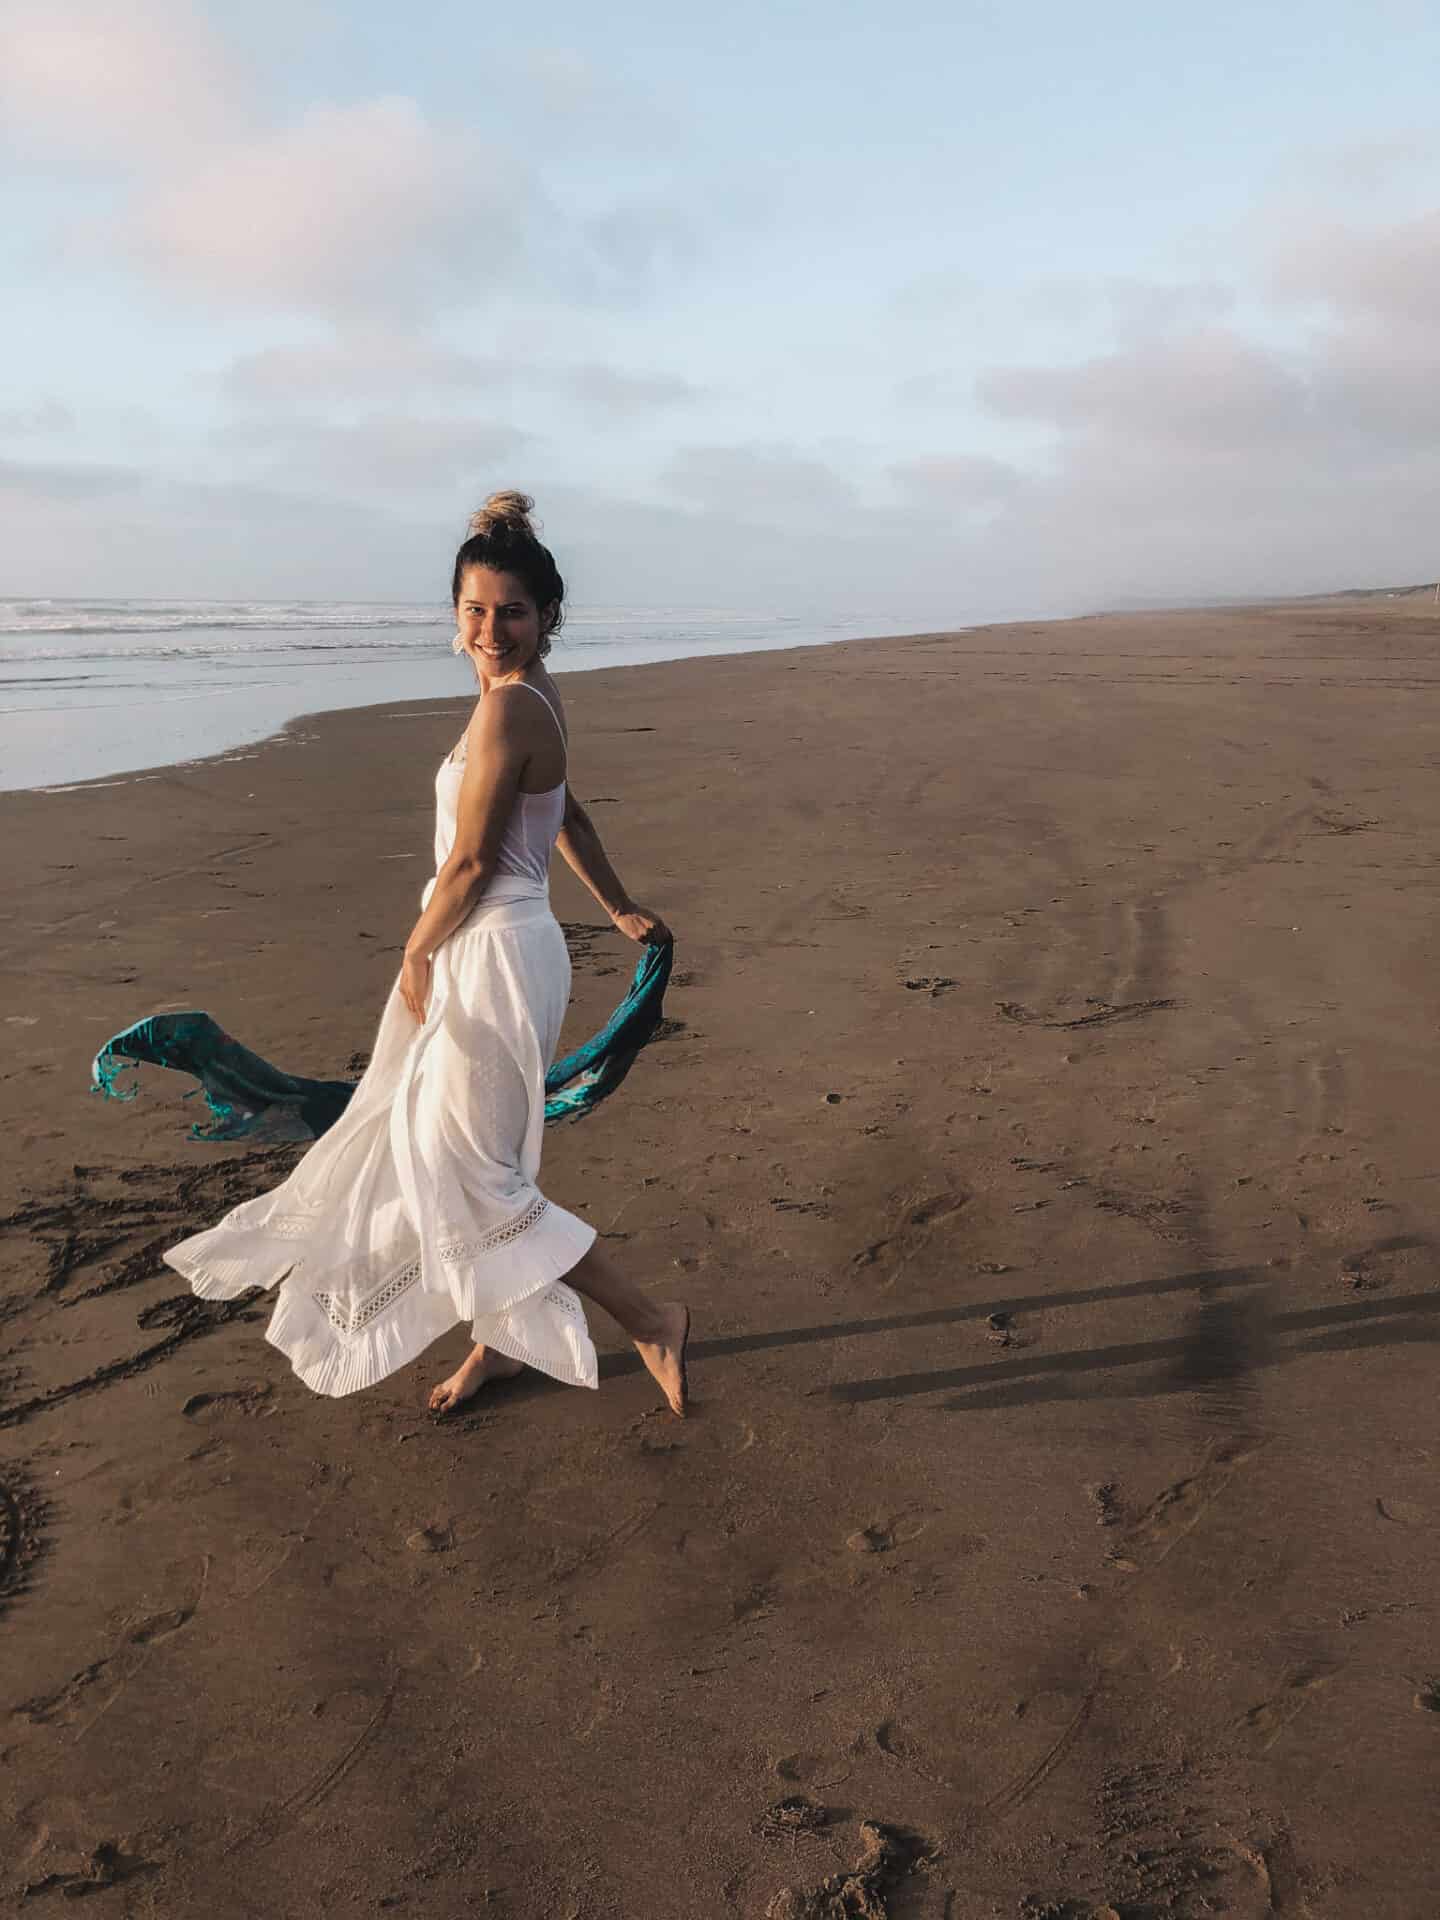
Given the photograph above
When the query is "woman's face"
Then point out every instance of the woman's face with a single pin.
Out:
(498, 622)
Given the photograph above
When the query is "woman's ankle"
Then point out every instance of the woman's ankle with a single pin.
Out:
(659, 1325)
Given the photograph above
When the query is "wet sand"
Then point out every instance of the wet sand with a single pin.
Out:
(1045, 1140)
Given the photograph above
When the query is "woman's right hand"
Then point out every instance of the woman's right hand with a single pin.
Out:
(415, 974)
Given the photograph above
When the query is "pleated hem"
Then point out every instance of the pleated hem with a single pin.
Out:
(538, 1321)
(221, 1276)
(545, 1252)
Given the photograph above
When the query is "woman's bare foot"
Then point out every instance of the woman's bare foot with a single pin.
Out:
(480, 1365)
(664, 1356)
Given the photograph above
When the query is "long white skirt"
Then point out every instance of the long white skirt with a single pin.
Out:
(419, 1209)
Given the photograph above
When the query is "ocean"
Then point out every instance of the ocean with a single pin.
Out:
(93, 689)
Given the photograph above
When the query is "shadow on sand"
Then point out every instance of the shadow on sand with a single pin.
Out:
(1229, 1335)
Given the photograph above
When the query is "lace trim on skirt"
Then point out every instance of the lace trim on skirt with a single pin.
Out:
(353, 1316)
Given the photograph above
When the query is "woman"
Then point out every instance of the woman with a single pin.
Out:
(419, 1208)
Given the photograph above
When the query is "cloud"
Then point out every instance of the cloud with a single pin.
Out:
(1380, 386)
(25, 483)
(634, 243)
(402, 368)
(1141, 309)
(46, 416)
(1358, 379)
(202, 540)
(947, 483)
(1214, 468)
(392, 457)
(577, 106)
(934, 389)
(369, 209)
(952, 291)
(762, 483)
(133, 83)
(368, 366)
(1114, 310)
(1203, 390)
(364, 207)
(1361, 168)
(1391, 271)
(567, 80)
(1280, 436)
(607, 393)
(1125, 304)
(373, 213)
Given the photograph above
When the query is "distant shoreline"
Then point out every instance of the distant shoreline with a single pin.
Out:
(100, 701)
(204, 719)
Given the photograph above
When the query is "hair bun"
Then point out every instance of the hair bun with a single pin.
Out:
(509, 510)
(502, 536)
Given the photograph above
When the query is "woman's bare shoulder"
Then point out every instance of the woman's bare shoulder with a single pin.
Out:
(550, 694)
(510, 717)
(498, 712)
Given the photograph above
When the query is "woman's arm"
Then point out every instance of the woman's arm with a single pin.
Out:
(497, 750)
(587, 859)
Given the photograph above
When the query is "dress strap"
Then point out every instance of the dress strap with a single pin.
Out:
(548, 708)
(460, 754)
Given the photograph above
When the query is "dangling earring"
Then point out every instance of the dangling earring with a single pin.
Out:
(457, 645)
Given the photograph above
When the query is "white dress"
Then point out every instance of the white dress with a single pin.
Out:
(419, 1208)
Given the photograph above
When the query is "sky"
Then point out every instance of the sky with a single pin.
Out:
(914, 313)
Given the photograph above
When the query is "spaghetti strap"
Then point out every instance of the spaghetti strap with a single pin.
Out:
(461, 750)
(548, 708)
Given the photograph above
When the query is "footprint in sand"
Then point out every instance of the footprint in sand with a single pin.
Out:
(1178, 1508)
(757, 1604)
(888, 1856)
(1269, 1719)
(108, 1676)
(107, 1866)
(60, 1707)
(246, 1402)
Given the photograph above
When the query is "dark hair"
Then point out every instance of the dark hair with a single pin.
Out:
(502, 536)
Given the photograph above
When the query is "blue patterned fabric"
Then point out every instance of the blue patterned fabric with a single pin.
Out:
(251, 1100)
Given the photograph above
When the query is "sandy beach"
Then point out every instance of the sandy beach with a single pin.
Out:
(1044, 1139)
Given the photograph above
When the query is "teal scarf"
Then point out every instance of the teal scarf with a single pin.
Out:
(250, 1099)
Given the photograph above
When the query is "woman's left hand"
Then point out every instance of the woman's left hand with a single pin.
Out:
(639, 923)
(415, 974)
